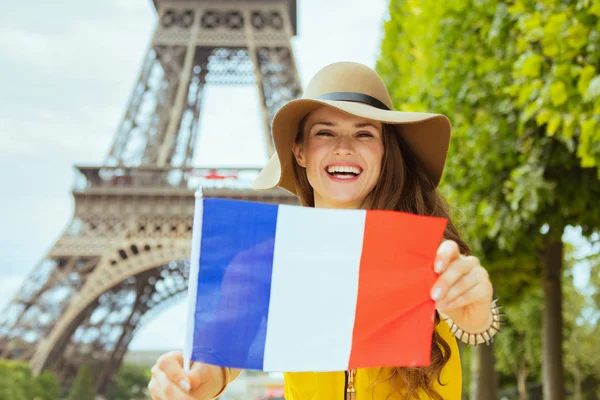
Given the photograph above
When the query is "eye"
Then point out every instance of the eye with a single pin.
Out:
(323, 133)
(365, 134)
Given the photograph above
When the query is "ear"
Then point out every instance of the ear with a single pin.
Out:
(299, 154)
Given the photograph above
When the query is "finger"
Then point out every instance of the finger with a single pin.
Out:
(453, 273)
(201, 373)
(166, 389)
(171, 364)
(153, 389)
(447, 252)
(463, 285)
(207, 380)
(478, 294)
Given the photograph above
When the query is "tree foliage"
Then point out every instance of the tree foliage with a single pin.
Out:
(131, 383)
(46, 387)
(18, 383)
(520, 82)
(83, 386)
(518, 349)
(582, 333)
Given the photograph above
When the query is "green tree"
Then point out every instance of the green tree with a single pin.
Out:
(581, 342)
(582, 334)
(18, 383)
(520, 82)
(13, 376)
(83, 386)
(518, 348)
(46, 386)
(593, 260)
(131, 383)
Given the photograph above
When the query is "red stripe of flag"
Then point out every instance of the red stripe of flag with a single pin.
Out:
(394, 312)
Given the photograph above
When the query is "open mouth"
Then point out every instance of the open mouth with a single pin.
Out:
(343, 171)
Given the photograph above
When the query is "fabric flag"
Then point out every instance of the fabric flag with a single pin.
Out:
(290, 288)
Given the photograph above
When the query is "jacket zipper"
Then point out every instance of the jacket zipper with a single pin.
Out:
(350, 393)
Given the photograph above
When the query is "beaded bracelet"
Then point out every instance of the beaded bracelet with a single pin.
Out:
(480, 337)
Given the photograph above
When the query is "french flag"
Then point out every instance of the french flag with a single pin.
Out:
(290, 288)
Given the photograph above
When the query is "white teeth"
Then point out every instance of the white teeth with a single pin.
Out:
(340, 168)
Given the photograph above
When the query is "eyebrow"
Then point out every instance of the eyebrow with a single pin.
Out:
(365, 124)
(360, 125)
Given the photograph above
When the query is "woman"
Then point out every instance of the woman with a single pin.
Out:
(343, 146)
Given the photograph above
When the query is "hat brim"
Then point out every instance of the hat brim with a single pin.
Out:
(428, 136)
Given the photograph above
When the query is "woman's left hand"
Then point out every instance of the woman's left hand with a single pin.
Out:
(463, 292)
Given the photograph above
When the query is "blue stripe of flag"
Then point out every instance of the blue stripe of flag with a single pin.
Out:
(234, 282)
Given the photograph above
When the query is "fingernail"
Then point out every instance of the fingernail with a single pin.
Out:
(435, 294)
(439, 265)
(184, 385)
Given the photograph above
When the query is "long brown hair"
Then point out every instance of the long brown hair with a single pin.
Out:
(403, 186)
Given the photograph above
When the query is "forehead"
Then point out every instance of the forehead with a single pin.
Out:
(332, 115)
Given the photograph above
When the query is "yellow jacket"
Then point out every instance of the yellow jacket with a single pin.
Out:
(331, 385)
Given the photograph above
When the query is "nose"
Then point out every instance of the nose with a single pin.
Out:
(343, 146)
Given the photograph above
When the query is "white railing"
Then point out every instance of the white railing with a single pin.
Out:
(153, 177)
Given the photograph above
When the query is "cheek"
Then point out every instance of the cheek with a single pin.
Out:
(314, 157)
(375, 158)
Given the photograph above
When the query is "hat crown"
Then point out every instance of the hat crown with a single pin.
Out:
(348, 77)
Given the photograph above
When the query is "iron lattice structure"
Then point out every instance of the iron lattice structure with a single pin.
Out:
(124, 255)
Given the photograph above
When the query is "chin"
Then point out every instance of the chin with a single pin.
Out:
(346, 199)
(351, 196)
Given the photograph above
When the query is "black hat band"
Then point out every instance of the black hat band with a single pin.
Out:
(355, 97)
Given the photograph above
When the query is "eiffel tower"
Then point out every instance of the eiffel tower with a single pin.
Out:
(124, 256)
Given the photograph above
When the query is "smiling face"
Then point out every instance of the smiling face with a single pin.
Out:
(342, 155)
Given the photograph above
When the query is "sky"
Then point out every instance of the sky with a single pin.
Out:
(67, 70)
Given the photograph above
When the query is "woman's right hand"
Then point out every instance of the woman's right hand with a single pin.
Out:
(170, 382)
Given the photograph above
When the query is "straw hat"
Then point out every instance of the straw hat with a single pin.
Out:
(355, 89)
